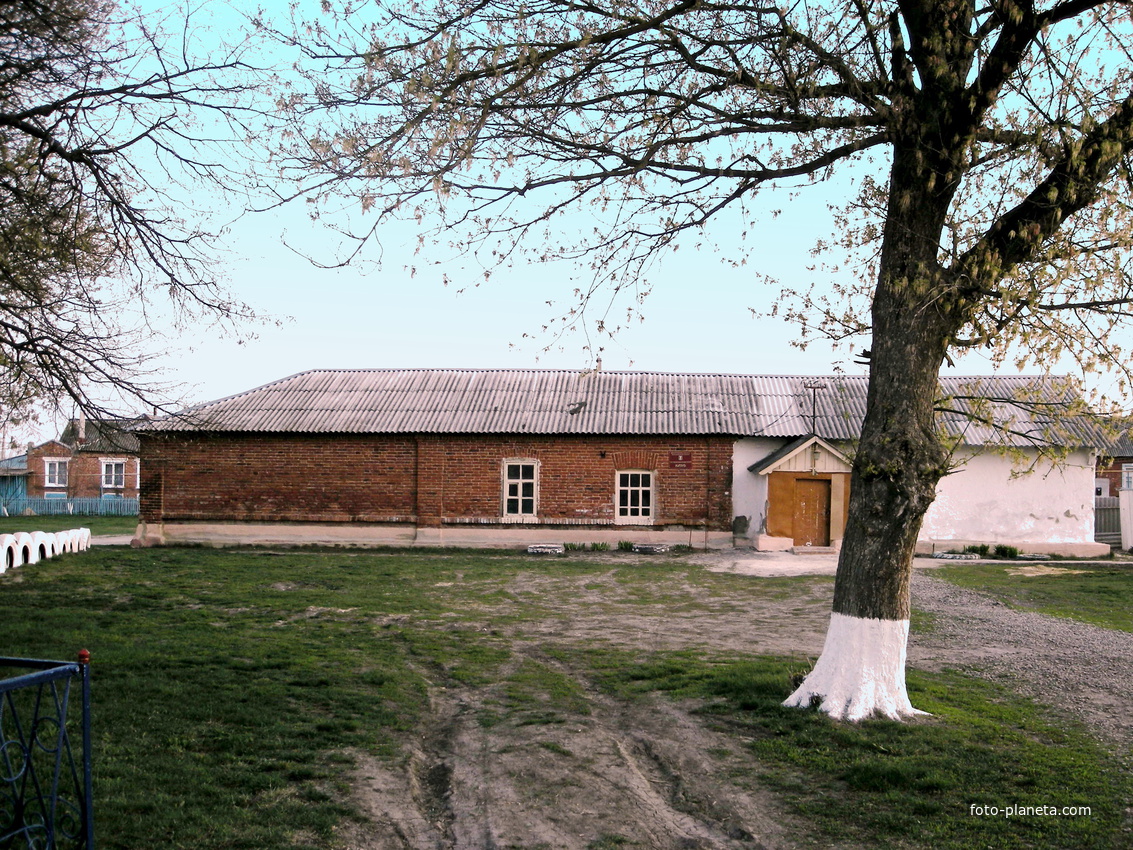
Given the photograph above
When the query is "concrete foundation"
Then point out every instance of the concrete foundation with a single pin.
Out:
(1067, 550)
(327, 534)
(767, 543)
(495, 537)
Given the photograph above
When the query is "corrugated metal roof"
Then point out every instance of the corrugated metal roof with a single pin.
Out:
(100, 435)
(455, 401)
(15, 466)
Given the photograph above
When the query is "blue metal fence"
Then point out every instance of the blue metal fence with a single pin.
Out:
(46, 795)
(76, 507)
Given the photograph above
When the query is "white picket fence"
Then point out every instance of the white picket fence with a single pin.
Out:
(31, 547)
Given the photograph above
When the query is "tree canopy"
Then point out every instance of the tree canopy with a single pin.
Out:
(104, 119)
(988, 145)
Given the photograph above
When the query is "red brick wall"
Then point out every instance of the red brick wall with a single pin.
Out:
(1112, 471)
(285, 478)
(432, 479)
(84, 473)
(37, 478)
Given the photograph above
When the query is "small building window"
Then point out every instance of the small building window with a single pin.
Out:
(113, 474)
(634, 498)
(1127, 476)
(55, 472)
(521, 488)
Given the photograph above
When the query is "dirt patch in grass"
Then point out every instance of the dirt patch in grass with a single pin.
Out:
(638, 775)
(556, 763)
(1040, 570)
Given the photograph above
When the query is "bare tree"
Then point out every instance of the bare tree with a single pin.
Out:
(105, 119)
(988, 143)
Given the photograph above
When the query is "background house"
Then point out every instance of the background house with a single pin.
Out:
(1115, 463)
(498, 457)
(90, 460)
(1114, 472)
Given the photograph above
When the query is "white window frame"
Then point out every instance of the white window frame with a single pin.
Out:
(507, 494)
(50, 477)
(108, 462)
(645, 512)
(1127, 476)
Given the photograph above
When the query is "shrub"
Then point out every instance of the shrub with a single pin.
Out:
(981, 550)
(1003, 551)
(625, 545)
(600, 546)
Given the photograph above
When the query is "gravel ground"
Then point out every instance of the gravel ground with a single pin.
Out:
(1077, 668)
(1073, 667)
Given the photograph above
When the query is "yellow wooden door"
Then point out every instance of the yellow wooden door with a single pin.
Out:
(812, 512)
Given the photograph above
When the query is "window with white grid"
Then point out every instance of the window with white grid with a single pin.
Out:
(634, 498)
(113, 474)
(521, 488)
(55, 472)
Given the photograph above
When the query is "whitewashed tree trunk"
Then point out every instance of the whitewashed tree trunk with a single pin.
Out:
(861, 672)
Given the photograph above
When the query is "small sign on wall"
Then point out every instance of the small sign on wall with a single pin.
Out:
(680, 460)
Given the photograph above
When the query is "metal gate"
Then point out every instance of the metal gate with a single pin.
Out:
(45, 788)
(1107, 520)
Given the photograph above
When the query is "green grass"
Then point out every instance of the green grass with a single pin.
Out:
(231, 687)
(97, 524)
(1101, 594)
(228, 686)
(883, 784)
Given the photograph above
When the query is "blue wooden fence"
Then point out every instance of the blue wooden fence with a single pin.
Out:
(74, 507)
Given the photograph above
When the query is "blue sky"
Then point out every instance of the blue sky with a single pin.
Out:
(696, 319)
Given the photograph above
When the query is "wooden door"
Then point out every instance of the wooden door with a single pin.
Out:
(812, 512)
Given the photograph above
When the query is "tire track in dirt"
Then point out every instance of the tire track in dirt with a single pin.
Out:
(645, 774)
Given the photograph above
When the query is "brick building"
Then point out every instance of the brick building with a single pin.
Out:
(90, 460)
(507, 457)
(439, 455)
(1115, 466)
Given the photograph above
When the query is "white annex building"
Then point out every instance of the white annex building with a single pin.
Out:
(1006, 486)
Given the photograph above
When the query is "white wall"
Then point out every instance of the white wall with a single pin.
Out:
(749, 489)
(982, 502)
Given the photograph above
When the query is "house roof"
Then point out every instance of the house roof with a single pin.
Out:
(15, 466)
(101, 435)
(1121, 443)
(502, 401)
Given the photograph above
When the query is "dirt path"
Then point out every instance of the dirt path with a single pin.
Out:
(651, 774)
